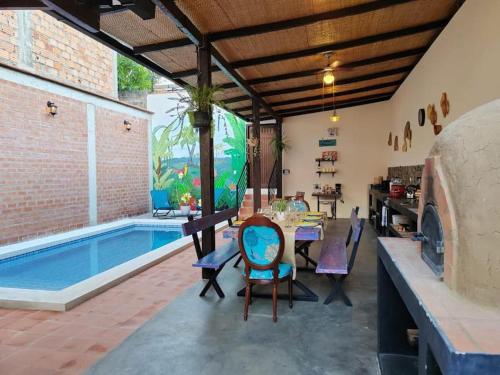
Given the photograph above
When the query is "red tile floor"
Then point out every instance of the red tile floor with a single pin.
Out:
(47, 342)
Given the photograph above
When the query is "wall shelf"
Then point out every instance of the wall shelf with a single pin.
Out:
(319, 161)
(321, 172)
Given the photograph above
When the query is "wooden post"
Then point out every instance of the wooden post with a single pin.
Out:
(206, 155)
(256, 182)
(279, 165)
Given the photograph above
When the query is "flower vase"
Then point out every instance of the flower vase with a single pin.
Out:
(280, 216)
(185, 210)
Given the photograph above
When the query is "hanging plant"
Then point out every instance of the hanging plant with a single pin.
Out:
(279, 145)
(196, 103)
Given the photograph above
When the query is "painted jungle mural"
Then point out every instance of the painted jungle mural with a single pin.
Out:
(176, 159)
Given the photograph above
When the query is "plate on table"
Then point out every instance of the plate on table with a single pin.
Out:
(306, 224)
(237, 223)
(313, 218)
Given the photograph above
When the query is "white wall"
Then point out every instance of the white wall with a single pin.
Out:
(361, 153)
(464, 62)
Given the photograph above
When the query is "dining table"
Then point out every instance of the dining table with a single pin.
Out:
(292, 232)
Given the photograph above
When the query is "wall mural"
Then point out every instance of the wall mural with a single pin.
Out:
(176, 159)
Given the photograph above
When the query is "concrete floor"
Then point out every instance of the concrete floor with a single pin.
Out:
(194, 335)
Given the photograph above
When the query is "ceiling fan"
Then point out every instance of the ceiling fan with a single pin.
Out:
(328, 77)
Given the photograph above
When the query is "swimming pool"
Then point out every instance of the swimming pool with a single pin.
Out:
(60, 271)
(58, 267)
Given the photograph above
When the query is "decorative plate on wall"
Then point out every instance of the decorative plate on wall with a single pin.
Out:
(421, 117)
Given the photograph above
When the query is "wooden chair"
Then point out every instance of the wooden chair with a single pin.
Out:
(333, 258)
(215, 261)
(262, 245)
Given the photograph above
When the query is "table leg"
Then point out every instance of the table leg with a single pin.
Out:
(318, 202)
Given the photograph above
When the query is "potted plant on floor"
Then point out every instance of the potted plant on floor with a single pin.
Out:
(196, 103)
(185, 204)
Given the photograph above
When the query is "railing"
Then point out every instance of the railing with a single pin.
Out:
(272, 184)
(241, 186)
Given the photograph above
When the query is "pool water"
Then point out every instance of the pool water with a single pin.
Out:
(58, 267)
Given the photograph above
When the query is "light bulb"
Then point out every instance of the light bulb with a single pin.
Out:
(328, 77)
(334, 117)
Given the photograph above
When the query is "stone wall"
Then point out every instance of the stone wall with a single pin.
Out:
(37, 42)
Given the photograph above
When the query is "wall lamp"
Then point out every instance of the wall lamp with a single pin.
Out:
(127, 125)
(51, 108)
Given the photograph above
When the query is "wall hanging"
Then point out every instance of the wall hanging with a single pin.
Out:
(327, 142)
(407, 137)
(421, 117)
(432, 115)
(389, 142)
(333, 132)
(445, 104)
(396, 146)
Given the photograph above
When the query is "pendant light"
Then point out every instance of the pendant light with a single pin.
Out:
(328, 77)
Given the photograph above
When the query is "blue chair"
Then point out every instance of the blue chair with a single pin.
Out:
(161, 202)
(300, 205)
(262, 245)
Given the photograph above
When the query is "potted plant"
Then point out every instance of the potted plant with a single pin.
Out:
(279, 206)
(279, 145)
(196, 103)
(185, 203)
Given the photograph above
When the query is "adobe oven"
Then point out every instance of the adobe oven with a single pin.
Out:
(459, 209)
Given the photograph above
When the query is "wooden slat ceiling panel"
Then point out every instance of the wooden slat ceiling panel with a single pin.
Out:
(333, 31)
(217, 15)
(339, 88)
(328, 101)
(175, 59)
(344, 56)
(339, 75)
(156, 30)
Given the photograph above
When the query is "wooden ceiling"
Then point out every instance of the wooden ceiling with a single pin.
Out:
(273, 50)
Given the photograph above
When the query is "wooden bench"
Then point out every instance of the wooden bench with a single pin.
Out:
(333, 260)
(216, 260)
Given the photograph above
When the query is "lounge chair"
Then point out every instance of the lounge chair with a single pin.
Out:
(161, 203)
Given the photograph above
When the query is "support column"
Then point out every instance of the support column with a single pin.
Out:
(256, 183)
(279, 164)
(206, 154)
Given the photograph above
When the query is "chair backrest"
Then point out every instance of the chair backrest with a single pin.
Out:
(300, 205)
(355, 232)
(160, 198)
(192, 227)
(261, 244)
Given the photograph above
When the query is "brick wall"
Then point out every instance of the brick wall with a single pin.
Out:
(56, 51)
(122, 167)
(8, 37)
(43, 164)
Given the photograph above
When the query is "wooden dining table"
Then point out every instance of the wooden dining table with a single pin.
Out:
(291, 233)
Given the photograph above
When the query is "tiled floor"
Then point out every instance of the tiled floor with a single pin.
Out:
(45, 342)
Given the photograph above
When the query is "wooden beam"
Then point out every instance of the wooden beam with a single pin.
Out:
(326, 96)
(256, 180)
(144, 9)
(342, 45)
(345, 81)
(279, 162)
(22, 5)
(338, 104)
(306, 20)
(169, 44)
(330, 107)
(206, 154)
(170, 9)
(84, 15)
